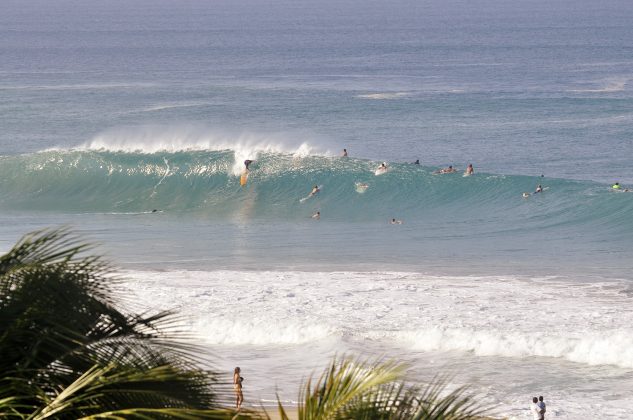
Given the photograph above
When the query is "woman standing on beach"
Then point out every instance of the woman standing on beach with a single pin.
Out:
(237, 386)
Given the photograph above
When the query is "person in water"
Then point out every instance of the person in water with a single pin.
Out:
(314, 191)
(470, 170)
(237, 387)
(417, 162)
(344, 153)
(383, 166)
(248, 162)
(448, 170)
(536, 410)
(616, 186)
(541, 405)
(538, 189)
(317, 215)
(396, 222)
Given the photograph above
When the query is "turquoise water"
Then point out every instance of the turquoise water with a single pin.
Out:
(110, 111)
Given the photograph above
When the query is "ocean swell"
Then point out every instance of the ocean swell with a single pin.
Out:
(193, 177)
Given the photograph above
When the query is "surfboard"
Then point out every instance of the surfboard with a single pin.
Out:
(304, 199)
(244, 178)
(381, 171)
(361, 188)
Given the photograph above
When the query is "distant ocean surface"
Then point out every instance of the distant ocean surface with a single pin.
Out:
(129, 122)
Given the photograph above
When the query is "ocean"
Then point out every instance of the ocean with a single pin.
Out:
(130, 121)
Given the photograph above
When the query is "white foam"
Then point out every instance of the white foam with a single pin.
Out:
(228, 331)
(595, 348)
(609, 86)
(80, 86)
(530, 336)
(492, 316)
(162, 107)
(384, 95)
(245, 145)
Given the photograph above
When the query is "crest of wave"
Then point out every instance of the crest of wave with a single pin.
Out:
(593, 348)
(178, 138)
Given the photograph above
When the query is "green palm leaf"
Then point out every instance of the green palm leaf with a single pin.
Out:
(69, 351)
(356, 390)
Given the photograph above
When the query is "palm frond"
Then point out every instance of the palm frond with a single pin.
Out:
(69, 350)
(435, 402)
(356, 390)
(340, 384)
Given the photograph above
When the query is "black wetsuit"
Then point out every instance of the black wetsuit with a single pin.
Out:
(247, 162)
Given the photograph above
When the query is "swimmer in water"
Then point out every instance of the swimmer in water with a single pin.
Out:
(314, 191)
(344, 154)
(317, 215)
(538, 189)
(470, 170)
(248, 162)
(395, 222)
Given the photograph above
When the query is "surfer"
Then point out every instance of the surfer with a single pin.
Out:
(538, 189)
(314, 191)
(344, 154)
(616, 186)
(382, 167)
(469, 170)
(395, 222)
(417, 162)
(448, 170)
(248, 162)
(317, 215)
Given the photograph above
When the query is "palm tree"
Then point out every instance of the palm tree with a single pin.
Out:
(68, 351)
(359, 390)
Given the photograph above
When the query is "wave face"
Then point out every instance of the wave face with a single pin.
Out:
(208, 182)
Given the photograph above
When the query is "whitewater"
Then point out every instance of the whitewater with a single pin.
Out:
(528, 328)
(130, 124)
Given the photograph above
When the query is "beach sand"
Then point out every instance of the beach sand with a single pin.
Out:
(273, 412)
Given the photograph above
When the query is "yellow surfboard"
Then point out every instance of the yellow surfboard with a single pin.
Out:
(244, 178)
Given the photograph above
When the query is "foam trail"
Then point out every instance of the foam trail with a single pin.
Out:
(384, 95)
(610, 87)
(163, 178)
